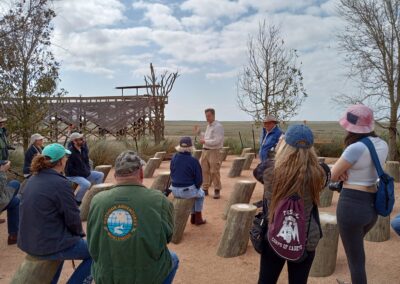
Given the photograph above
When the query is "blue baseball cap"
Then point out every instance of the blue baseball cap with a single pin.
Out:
(55, 152)
(299, 136)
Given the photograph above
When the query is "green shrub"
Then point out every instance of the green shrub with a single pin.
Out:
(17, 163)
(333, 150)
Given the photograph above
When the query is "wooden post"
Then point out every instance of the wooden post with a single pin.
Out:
(87, 198)
(105, 169)
(380, 232)
(224, 153)
(237, 167)
(324, 263)
(235, 238)
(242, 192)
(160, 155)
(325, 198)
(392, 168)
(182, 210)
(161, 181)
(197, 154)
(249, 159)
(151, 167)
(35, 271)
(245, 151)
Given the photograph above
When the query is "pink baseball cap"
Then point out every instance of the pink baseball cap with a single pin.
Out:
(358, 119)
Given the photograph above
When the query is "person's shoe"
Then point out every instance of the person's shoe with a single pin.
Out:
(341, 282)
(2, 221)
(205, 192)
(199, 219)
(216, 194)
(192, 218)
(12, 239)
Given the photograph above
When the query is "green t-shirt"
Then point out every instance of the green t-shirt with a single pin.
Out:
(128, 230)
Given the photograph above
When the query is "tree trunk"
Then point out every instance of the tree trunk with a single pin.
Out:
(393, 169)
(35, 271)
(237, 167)
(160, 155)
(197, 154)
(380, 232)
(249, 160)
(87, 198)
(105, 169)
(242, 192)
(324, 263)
(235, 238)
(151, 166)
(162, 181)
(182, 210)
(325, 198)
(393, 152)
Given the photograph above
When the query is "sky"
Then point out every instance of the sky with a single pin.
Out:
(102, 44)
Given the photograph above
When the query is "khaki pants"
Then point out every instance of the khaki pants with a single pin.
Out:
(210, 164)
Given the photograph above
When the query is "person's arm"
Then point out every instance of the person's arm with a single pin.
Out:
(350, 155)
(218, 138)
(71, 166)
(198, 175)
(167, 218)
(93, 234)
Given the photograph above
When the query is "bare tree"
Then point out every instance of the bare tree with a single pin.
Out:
(159, 88)
(371, 41)
(28, 69)
(271, 83)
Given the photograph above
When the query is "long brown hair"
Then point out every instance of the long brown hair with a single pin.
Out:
(295, 170)
(41, 162)
(352, 138)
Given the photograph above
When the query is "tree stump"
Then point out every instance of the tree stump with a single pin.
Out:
(197, 154)
(224, 153)
(161, 181)
(235, 238)
(249, 159)
(237, 167)
(35, 271)
(182, 210)
(325, 198)
(87, 199)
(392, 168)
(151, 166)
(380, 232)
(242, 192)
(160, 155)
(105, 169)
(326, 253)
(245, 151)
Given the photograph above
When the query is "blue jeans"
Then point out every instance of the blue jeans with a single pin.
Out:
(175, 265)
(396, 224)
(13, 209)
(79, 251)
(85, 183)
(190, 192)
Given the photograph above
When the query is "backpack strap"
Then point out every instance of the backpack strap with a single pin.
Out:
(374, 156)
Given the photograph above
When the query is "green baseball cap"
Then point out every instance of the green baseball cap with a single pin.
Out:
(55, 152)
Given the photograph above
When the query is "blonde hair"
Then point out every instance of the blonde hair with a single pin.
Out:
(295, 170)
(41, 162)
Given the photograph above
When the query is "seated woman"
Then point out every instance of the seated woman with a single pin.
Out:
(186, 178)
(35, 148)
(50, 225)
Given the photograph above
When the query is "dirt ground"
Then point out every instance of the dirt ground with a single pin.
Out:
(199, 263)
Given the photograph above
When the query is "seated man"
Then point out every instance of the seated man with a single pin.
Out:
(269, 137)
(78, 168)
(128, 229)
(187, 178)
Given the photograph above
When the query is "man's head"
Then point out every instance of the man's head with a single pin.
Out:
(77, 139)
(270, 122)
(210, 115)
(129, 167)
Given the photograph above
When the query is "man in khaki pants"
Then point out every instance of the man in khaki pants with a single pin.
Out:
(210, 161)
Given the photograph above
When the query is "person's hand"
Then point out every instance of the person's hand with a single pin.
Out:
(344, 177)
(202, 141)
(5, 167)
(196, 129)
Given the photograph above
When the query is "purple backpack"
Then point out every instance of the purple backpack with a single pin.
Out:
(287, 234)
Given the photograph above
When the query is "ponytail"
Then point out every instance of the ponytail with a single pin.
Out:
(41, 162)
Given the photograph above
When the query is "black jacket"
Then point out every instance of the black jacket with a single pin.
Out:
(29, 155)
(49, 215)
(78, 162)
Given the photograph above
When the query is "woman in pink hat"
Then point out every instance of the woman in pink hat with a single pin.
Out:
(356, 213)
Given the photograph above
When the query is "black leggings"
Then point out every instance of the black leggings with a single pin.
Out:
(271, 266)
(356, 215)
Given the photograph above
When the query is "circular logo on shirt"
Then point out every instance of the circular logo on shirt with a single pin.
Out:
(120, 222)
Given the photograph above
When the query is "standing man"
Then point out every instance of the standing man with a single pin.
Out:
(4, 145)
(128, 229)
(210, 161)
(78, 167)
(269, 136)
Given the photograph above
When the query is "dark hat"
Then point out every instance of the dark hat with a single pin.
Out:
(185, 144)
(128, 162)
(299, 136)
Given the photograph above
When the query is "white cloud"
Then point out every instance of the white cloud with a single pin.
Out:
(160, 16)
(223, 75)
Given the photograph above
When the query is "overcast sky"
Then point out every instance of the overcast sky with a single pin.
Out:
(102, 44)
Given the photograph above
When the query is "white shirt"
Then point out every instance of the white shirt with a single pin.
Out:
(214, 136)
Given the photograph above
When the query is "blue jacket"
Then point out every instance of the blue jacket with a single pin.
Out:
(29, 155)
(49, 215)
(270, 141)
(78, 162)
(185, 170)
